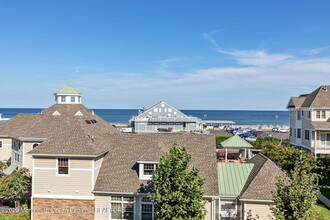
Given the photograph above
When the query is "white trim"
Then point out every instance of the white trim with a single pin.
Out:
(81, 169)
(44, 168)
(32, 190)
(68, 155)
(56, 171)
(53, 196)
(255, 200)
(154, 162)
(93, 173)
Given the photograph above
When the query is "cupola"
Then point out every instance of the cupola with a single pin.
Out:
(68, 95)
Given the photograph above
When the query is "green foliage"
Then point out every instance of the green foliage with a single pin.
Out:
(177, 189)
(324, 169)
(14, 187)
(287, 157)
(3, 166)
(220, 139)
(296, 195)
(18, 216)
(286, 142)
(263, 142)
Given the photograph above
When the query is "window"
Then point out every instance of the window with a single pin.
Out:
(302, 113)
(35, 145)
(298, 115)
(0, 144)
(309, 114)
(73, 99)
(122, 207)
(323, 139)
(155, 109)
(290, 131)
(17, 157)
(295, 132)
(307, 135)
(62, 98)
(147, 209)
(79, 99)
(323, 114)
(17, 145)
(63, 166)
(298, 133)
(148, 169)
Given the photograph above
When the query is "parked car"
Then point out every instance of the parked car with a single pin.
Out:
(245, 135)
(283, 130)
(266, 135)
(257, 133)
(275, 130)
(251, 138)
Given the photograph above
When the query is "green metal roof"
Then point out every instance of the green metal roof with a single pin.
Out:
(11, 168)
(68, 89)
(236, 142)
(232, 177)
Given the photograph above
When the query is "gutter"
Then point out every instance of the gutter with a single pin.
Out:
(136, 193)
(255, 200)
(23, 138)
(68, 155)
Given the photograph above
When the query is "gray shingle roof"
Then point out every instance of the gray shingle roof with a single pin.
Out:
(319, 98)
(262, 179)
(119, 171)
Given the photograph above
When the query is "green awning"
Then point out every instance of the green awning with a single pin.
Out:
(11, 168)
(236, 142)
(232, 177)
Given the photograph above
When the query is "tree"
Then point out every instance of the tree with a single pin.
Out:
(14, 187)
(263, 142)
(295, 195)
(3, 166)
(219, 139)
(177, 190)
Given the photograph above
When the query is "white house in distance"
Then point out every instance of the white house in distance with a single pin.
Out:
(164, 116)
(310, 121)
(68, 95)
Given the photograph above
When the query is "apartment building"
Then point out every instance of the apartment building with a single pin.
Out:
(310, 121)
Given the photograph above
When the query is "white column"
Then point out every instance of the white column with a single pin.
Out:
(226, 155)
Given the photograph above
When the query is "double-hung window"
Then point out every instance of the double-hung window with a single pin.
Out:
(147, 209)
(17, 157)
(298, 133)
(0, 144)
(146, 169)
(309, 114)
(323, 116)
(73, 99)
(299, 115)
(307, 135)
(63, 166)
(62, 98)
(122, 207)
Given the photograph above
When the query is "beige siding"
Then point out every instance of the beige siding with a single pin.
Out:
(80, 181)
(208, 208)
(45, 162)
(97, 166)
(80, 163)
(102, 204)
(5, 150)
(260, 209)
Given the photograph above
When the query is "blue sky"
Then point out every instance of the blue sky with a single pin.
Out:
(191, 54)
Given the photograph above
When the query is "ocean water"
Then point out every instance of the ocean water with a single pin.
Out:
(239, 117)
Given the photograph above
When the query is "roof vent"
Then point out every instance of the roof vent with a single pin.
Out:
(79, 113)
(56, 113)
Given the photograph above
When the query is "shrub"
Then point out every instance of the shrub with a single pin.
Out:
(220, 139)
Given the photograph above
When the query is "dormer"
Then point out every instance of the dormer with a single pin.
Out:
(146, 168)
(68, 95)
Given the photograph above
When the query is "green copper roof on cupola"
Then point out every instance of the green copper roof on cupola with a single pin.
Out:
(68, 89)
